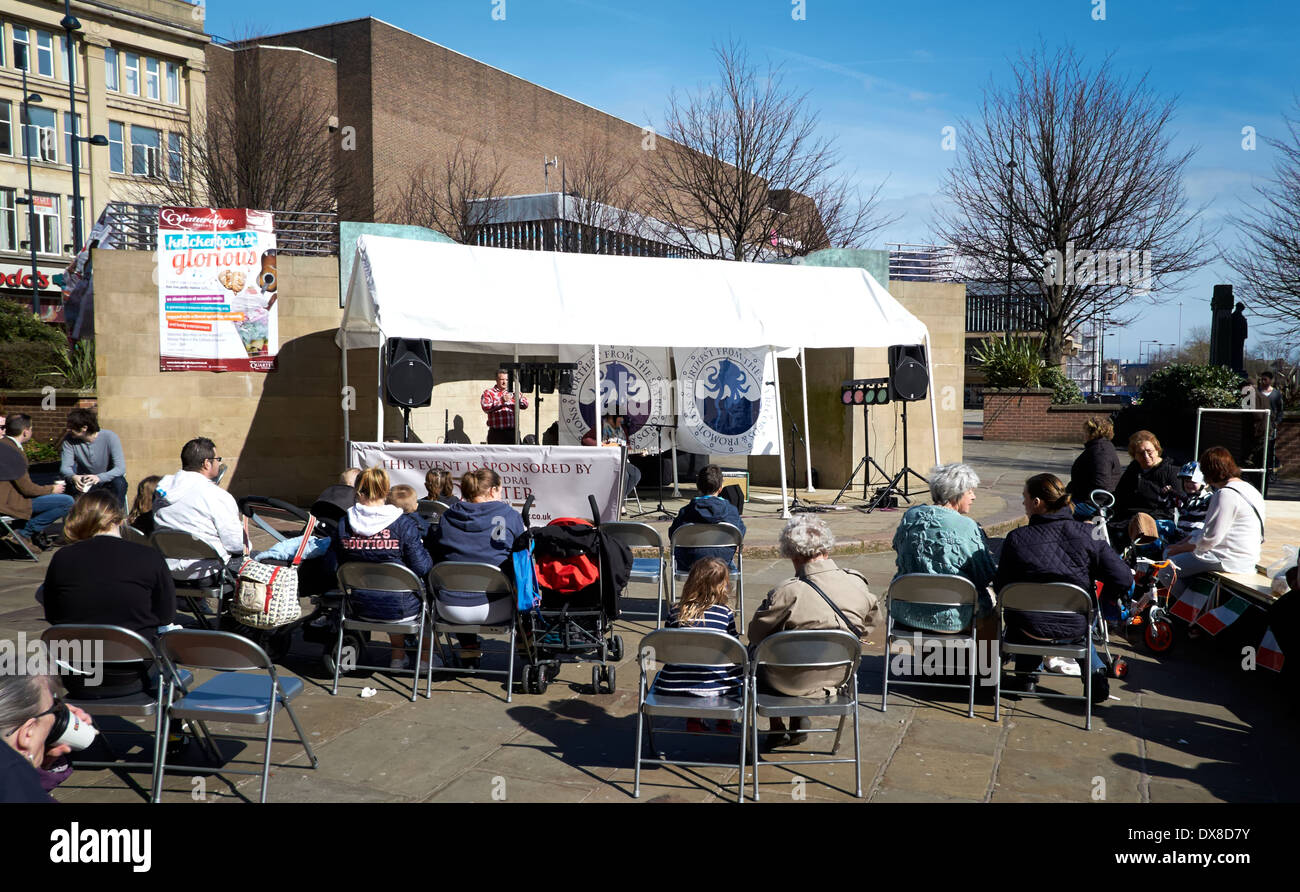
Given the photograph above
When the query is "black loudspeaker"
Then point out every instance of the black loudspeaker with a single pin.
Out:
(908, 379)
(408, 372)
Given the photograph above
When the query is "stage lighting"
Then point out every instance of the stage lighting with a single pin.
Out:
(865, 392)
(565, 381)
(546, 379)
(527, 376)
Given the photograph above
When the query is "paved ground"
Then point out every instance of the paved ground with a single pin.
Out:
(1178, 730)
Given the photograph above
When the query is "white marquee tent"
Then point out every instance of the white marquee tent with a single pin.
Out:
(498, 300)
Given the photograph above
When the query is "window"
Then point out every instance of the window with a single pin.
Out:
(22, 59)
(39, 138)
(145, 146)
(68, 133)
(45, 54)
(116, 147)
(46, 237)
(173, 83)
(72, 223)
(111, 74)
(61, 44)
(131, 62)
(151, 78)
(6, 126)
(8, 221)
(175, 168)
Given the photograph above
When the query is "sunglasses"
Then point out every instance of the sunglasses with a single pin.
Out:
(53, 710)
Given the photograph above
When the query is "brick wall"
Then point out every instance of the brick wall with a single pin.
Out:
(1288, 445)
(1028, 416)
(49, 424)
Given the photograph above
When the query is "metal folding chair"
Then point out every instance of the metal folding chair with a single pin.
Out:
(695, 647)
(831, 649)
(432, 509)
(393, 578)
(131, 534)
(710, 535)
(937, 590)
(180, 545)
(487, 580)
(645, 569)
(233, 696)
(1050, 597)
(263, 510)
(12, 535)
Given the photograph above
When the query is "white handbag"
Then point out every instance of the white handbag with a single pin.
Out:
(267, 597)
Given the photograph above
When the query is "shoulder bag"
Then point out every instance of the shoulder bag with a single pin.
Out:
(267, 596)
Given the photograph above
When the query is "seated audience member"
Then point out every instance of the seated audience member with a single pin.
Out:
(404, 497)
(819, 596)
(1234, 524)
(376, 532)
(101, 579)
(141, 516)
(703, 605)
(707, 507)
(1098, 465)
(92, 458)
(22, 499)
(191, 501)
(942, 538)
(1054, 547)
(440, 486)
(28, 759)
(1149, 484)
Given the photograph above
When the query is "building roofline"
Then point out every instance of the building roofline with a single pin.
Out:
(236, 47)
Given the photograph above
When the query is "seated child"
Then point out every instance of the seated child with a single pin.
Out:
(1193, 501)
(703, 605)
(438, 486)
(404, 497)
(707, 507)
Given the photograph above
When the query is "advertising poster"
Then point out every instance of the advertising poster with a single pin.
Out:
(635, 382)
(558, 477)
(727, 402)
(216, 290)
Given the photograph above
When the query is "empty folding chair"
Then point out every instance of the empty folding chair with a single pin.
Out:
(247, 691)
(933, 590)
(1062, 599)
(7, 527)
(217, 584)
(644, 569)
(373, 577)
(693, 647)
(711, 535)
(809, 649)
(502, 613)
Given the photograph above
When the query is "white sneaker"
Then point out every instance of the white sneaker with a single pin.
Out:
(1062, 666)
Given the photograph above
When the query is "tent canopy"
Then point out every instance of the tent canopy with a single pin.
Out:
(474, 299)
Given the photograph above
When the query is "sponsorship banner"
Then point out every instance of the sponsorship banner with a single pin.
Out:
(635, 382)
(216, 290)
(727, 401)
(559, 477)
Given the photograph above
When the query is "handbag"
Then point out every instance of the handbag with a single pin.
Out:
(267, 596)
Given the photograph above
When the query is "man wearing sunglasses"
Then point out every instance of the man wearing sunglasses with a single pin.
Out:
(39, 506)
(190, 500)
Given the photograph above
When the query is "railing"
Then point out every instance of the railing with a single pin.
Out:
(559, 235)
(1000, 312)
(921, 263)
(297, 233)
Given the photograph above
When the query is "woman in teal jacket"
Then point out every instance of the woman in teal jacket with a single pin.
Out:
(941, 538)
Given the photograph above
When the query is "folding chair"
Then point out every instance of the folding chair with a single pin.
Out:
(262, 510)
(647, 569)
(830, 649)
(131, 534)
(710, 535)
(937, 590)
(180, 545)
(393, 578)
(231, 696)
(10, 533)
(487, 580)
(1050, 597)
(82, 649)
(432, 509)
(695, 647)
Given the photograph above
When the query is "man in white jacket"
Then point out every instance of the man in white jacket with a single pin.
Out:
(191, 501)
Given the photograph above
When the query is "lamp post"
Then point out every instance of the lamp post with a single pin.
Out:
(70, 27)
(29, 145)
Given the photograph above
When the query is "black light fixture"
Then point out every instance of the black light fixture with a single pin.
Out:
(865, 392)
(565, 380)
(527, 375)
(546, 378)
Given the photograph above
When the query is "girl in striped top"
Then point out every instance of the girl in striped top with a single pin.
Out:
(703, 605)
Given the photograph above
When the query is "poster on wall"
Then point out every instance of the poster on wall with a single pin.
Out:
(217, 290)
(727, 401)
(635, 382)
(558, 477)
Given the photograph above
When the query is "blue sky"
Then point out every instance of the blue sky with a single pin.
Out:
(887, 77)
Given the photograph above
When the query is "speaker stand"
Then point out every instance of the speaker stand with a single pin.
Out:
(406, 424)
(867, 463)
(907, 471)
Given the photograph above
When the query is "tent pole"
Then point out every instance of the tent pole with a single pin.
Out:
(347, 418)
(379, 395)
(780, 439)
(807, 443)
(934, 415)
(520, 385)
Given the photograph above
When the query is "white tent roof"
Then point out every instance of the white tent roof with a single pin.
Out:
(474, 299)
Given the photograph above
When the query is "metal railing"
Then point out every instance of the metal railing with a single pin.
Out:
(297, 233)
(577, 238)
(922, 263)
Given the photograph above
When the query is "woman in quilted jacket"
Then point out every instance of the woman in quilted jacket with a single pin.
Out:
(1054, 547)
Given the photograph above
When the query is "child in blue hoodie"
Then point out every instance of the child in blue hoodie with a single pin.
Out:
(707, 507)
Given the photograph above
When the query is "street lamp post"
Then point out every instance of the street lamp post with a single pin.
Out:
(70, 27)
(29, 145)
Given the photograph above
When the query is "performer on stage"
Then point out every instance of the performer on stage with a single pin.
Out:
(499, 404)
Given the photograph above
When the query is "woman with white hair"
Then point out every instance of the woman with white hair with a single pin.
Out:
(819, 596)
(943, 538)
(29, 708)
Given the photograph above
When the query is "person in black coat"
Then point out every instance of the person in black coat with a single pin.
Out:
(1148, 484)
(1055, 547)
(1098, 465)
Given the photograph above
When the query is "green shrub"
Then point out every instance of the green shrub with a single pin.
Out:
(1013, 362)
(1185, 386)
(40, 452)
(1064, 391)
(75, 365)
(19, 324)
(22, 363)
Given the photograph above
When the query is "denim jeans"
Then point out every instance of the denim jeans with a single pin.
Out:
(115, 485)
(46, 510)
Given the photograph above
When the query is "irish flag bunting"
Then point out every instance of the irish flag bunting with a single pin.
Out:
(1220, 618)
(1270, 655)
(1190, 605)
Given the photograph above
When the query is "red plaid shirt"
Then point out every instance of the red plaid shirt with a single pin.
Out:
(500, 407)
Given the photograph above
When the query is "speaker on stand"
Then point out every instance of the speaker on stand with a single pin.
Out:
(408, 377)
(909, 382)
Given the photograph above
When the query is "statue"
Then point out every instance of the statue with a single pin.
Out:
(1221, 326)
(1237, 356)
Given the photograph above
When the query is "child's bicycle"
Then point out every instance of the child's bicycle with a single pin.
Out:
(1149, 618)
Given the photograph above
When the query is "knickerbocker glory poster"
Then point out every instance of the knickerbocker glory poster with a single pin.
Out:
(216, 290)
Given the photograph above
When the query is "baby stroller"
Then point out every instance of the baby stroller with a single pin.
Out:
(580, 573)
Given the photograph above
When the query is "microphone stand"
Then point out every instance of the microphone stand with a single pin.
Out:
(659, 509)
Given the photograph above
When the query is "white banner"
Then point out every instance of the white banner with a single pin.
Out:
(559, 477)
(635, 382)
(727, 401)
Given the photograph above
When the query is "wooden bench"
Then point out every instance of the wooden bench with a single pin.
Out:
(1254, 587)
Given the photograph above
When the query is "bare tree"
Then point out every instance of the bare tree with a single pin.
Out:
(599, 196)
(457, 196)
(730, 175)
(1066, 186)
(1269, 260)
(1195, 348)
